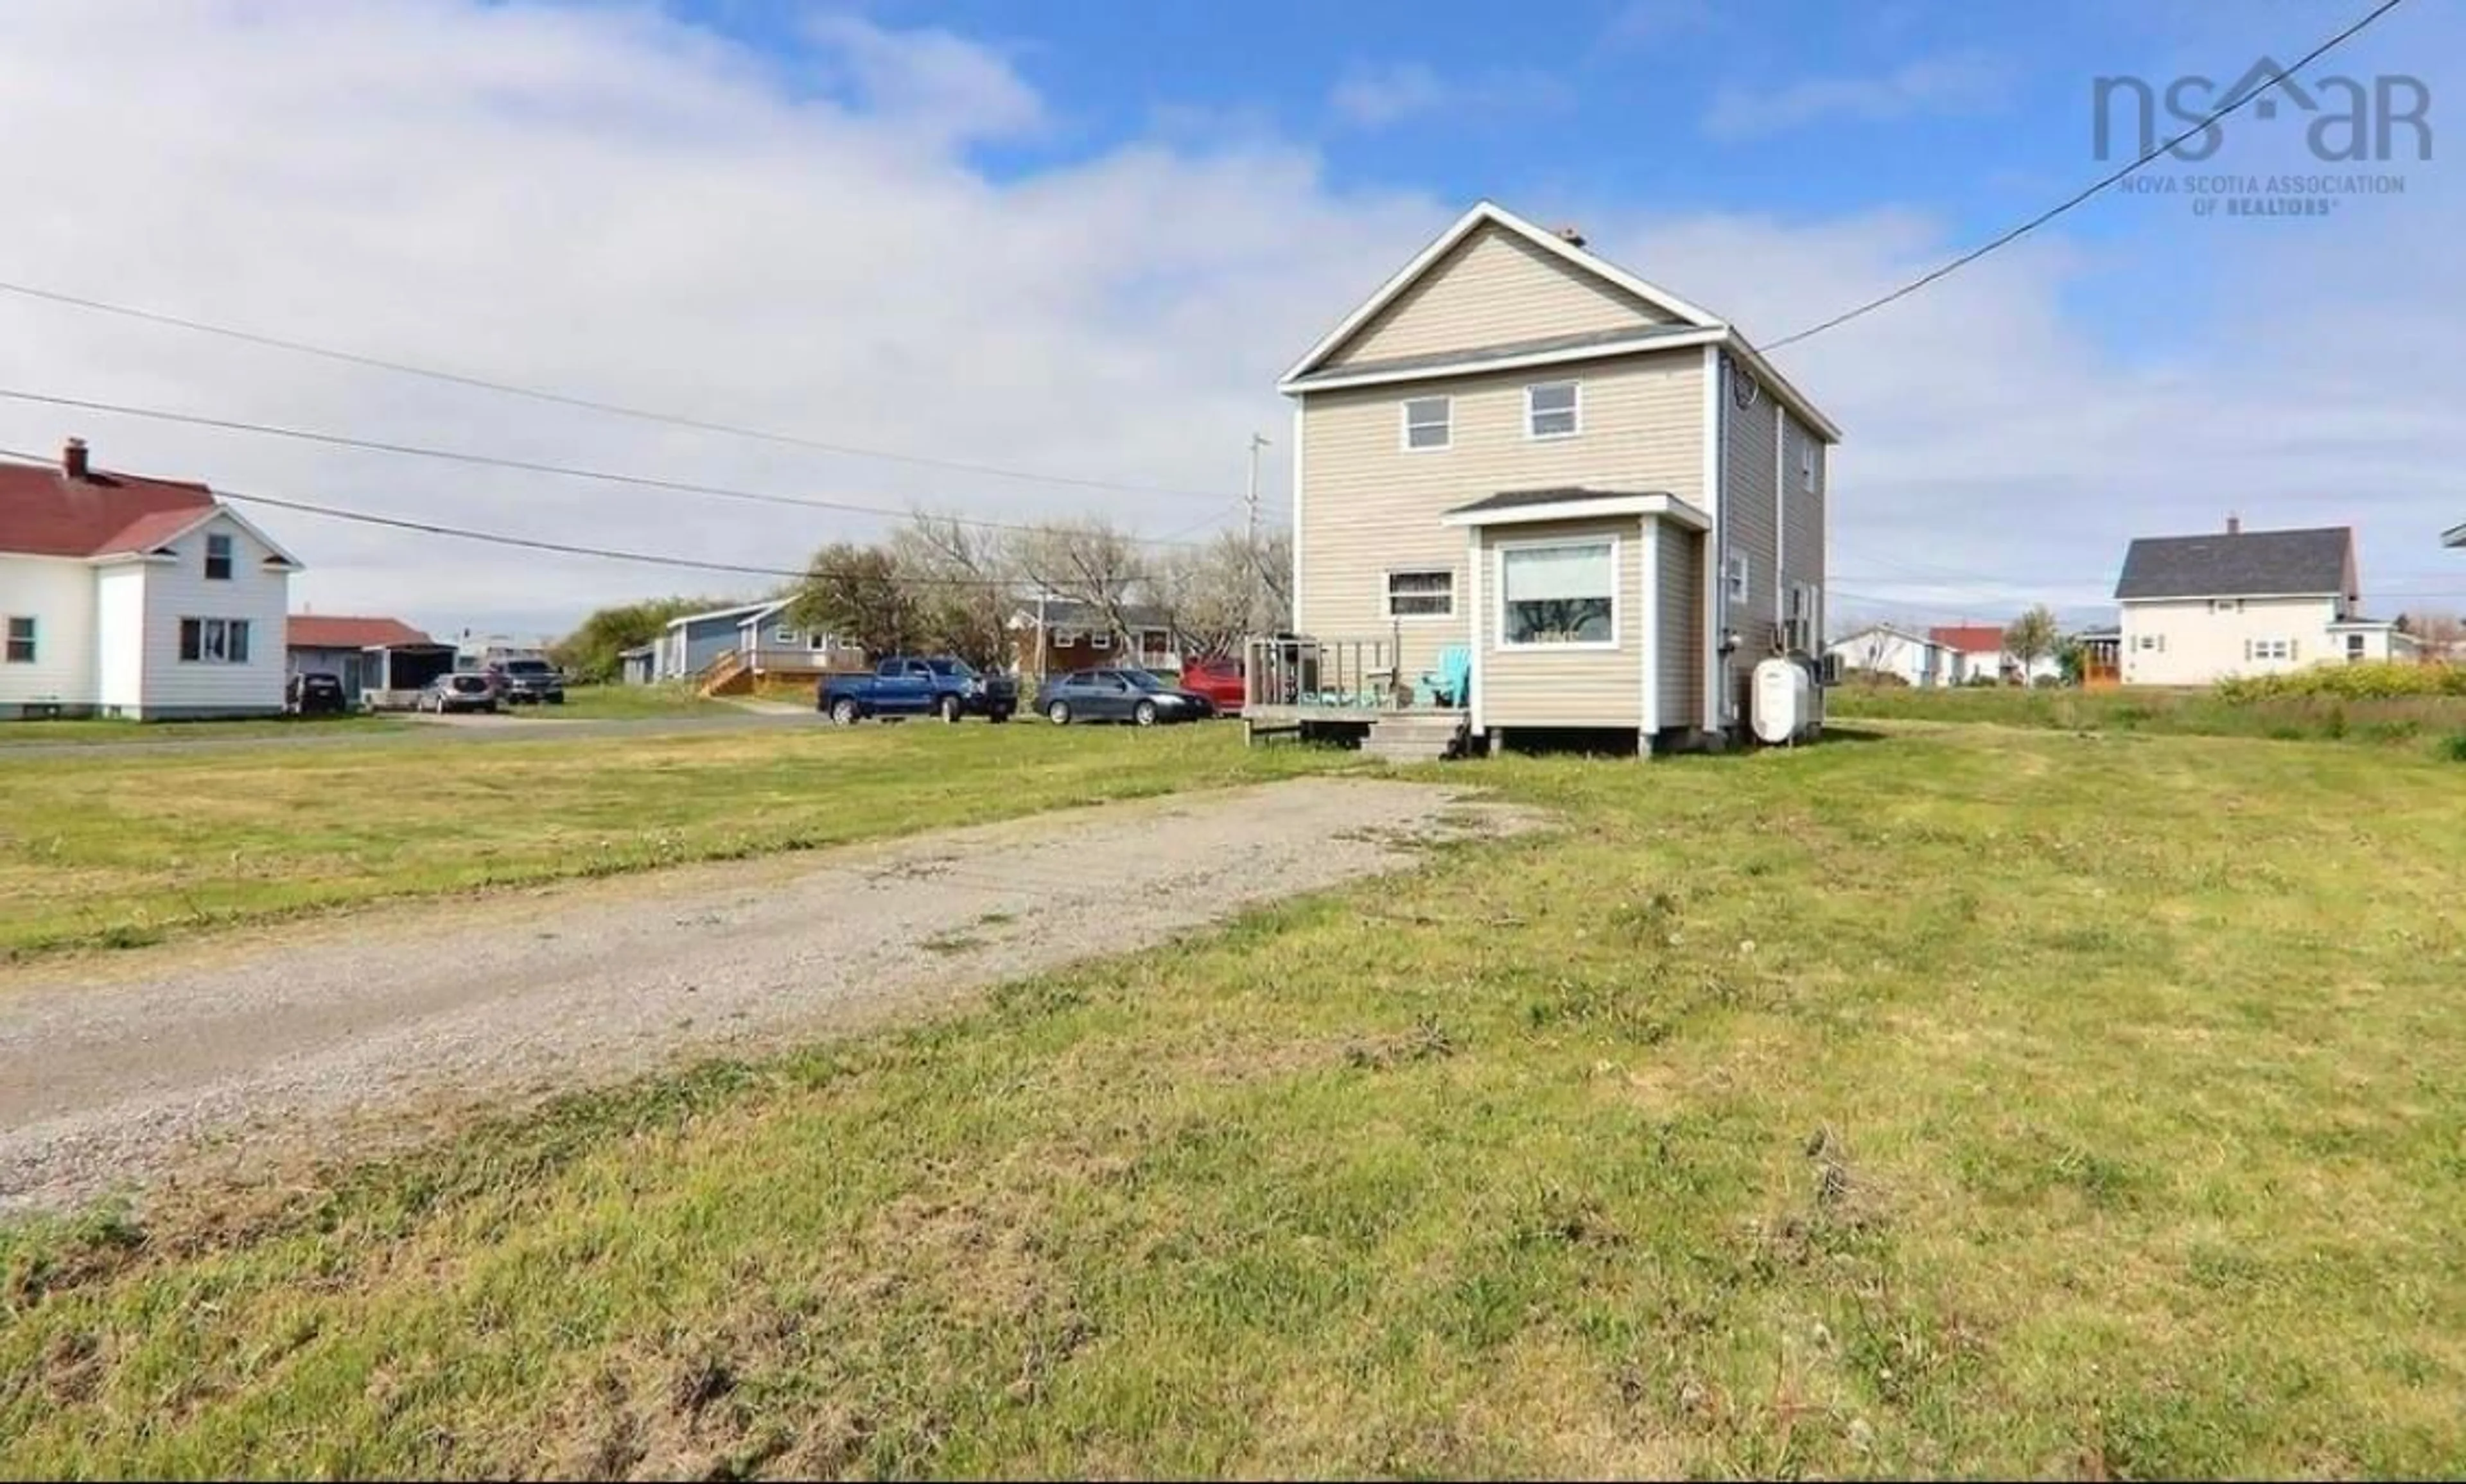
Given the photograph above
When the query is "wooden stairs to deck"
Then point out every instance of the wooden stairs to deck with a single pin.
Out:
(1412, 737)
(731, 674)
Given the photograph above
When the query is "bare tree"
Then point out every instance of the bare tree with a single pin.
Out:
(1215, 593)
(1088, 561)
(2033, 637)
(961, 587)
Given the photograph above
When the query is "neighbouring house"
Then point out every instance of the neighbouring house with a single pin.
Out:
(1597, 492)
(124, 595)
(1979, 651)
(693, 641)
(1060, 635)
(2197, 609)
(1885, 649)
(341, 646)
(638, 665)
(735, 648)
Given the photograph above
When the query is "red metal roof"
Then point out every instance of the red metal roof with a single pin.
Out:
(43, 512)
(333, 631)
(1976, 638)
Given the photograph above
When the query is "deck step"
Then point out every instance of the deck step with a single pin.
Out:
(1414, 738)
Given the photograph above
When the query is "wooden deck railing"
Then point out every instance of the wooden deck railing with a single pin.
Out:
(1315, 672)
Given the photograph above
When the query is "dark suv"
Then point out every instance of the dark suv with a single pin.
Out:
(314, 694)
(529, 681)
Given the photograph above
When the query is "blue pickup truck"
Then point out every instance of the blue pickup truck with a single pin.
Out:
(905, 686)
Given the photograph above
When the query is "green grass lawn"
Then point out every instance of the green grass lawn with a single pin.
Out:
(24, 734)
(1974, 1101)
(2402, 720)
(128, 847)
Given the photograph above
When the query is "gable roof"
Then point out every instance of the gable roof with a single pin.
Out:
(738, 611)
(2239, 564)
(336, 631)
(44, 512)
(1976, 638)
(1696, 326)
(1894, 629)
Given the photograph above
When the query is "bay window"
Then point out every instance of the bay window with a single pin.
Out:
(1559, 593)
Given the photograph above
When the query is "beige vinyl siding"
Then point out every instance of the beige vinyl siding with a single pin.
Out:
(1803, 514)
(1750, 526)
(1547, 686)
(2193, 644)
(1681, 629)
(1494, 288)
(1368, 505)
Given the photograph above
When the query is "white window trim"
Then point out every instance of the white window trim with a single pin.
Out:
(1577, 431)
(1387, 598)
(33, 623)
(1100, 640)
(1404, 425)
(1807, 467)
(1738, 577)
(783, 634)
(1618, 606)
(231, 556)
(204, 626)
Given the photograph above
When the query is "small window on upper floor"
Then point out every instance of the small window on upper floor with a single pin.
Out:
(218, 558)
(1806, 466)
(1742, 579)
(1553, 409)
(1427, 423)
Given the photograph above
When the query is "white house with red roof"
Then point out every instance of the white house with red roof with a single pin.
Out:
(1979, 652)
(124, 595)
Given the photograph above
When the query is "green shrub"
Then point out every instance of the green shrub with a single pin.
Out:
(2454, 747)
(2379, 680)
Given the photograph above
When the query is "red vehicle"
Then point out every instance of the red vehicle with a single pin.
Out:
(1218, 678)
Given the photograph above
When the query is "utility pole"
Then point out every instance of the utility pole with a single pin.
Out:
(1250, 543)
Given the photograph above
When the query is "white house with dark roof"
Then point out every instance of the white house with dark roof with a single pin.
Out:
(123, 595)
(2198, 609)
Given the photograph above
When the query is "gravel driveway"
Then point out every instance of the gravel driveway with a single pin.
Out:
(115, 1070)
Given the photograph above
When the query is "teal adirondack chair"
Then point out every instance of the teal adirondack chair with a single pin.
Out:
(1450, 684)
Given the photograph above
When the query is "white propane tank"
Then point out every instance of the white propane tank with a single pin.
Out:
(1784, 701)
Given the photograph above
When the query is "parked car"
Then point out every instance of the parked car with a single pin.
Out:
(1137, 696)
(907, 686)
(1218, 678)
(460, 692)
(314, 694)
(527, 682)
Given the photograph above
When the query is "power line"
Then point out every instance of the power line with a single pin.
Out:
(524, 465)
(524, 543)
(593, 404)
(2089, 191)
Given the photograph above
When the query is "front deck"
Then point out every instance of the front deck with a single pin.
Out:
(1346, 691)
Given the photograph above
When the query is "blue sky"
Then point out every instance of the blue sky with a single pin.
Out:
(1082, 240)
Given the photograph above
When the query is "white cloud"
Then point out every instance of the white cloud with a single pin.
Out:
(613, 203)
(1644, 22)
(949, 87)
(1380, 94)
(1960, 83)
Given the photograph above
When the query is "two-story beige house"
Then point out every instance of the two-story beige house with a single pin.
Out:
(1600, 491)
(2198, 609)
